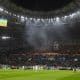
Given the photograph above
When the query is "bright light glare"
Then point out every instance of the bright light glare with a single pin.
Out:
(6, 11)
(22, 18)
(57, 19)
(1, 9)
(5, 37)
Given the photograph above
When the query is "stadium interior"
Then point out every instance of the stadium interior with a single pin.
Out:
(39, 36)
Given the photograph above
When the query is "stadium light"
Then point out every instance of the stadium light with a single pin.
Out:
(72, 15)
(75, 59)
(61, 20)
(26, 18)
(51, 20)
(38, 19)
(42, 20)
(57, 19)
(5, 37)
(65, 17)
(22, 18)
(6, 11)
(1, 9)
(31, 19)
(18, 16)
(14, 15)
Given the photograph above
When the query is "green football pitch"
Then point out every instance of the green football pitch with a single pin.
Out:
(39, 75)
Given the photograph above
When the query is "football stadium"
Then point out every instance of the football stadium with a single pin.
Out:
(39, 40)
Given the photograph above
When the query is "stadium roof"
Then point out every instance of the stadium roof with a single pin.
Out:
(73, 6)
(67, 14)
(42, 5)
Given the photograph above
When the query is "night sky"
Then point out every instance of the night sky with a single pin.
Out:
(42, 5)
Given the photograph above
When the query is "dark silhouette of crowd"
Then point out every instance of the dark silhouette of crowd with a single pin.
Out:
(56, 59)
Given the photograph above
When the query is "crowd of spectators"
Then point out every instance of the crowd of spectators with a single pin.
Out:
(58, 58)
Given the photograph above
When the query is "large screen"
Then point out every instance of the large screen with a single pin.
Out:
(3, 22)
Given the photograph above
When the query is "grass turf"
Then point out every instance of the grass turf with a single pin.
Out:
(38, 75)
